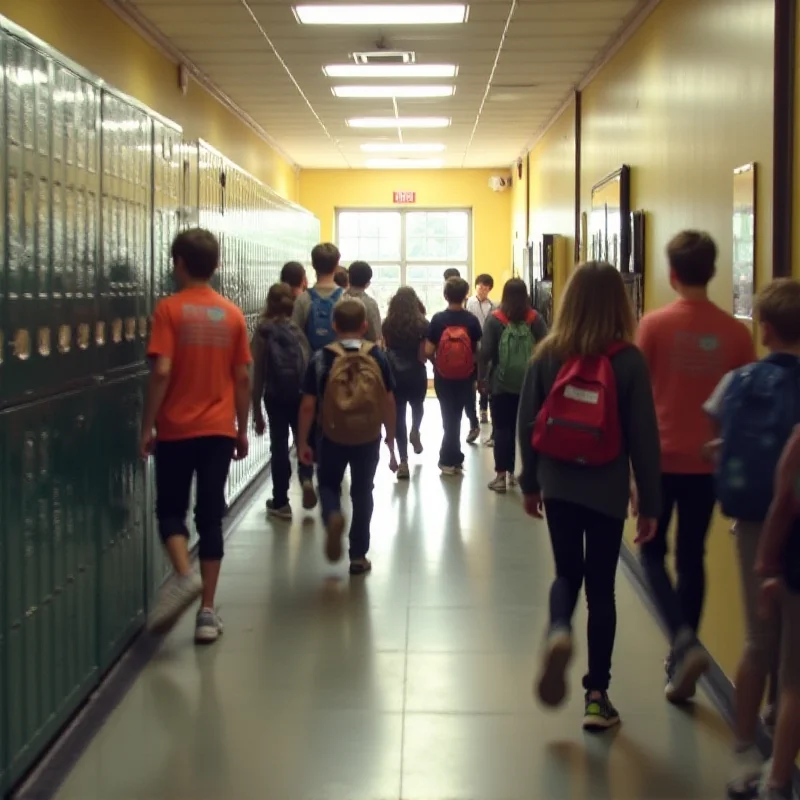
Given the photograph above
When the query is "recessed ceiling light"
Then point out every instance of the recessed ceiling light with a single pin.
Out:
(403, 163)
(398, 122)
(393, 91)
(391, 71)
(396, 147)
(381, 14)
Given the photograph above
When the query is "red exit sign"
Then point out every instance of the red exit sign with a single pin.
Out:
(402, 198)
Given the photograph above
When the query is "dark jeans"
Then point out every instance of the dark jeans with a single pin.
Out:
(363, 461)
(209, 457)
(681, 605)
(504, 421)
(404, 396)
(586, 548)
(471, 403)
(282, 415)
(453, 396)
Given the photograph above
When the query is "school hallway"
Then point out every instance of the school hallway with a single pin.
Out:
(414, 682)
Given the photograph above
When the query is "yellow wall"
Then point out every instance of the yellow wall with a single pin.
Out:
(551, 190)
(89, 33)
(323, 191)
(686, 100)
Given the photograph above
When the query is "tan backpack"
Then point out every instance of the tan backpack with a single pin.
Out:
(355, 397)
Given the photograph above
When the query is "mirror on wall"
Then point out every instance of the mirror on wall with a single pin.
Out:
(609, 220)
(744, 240)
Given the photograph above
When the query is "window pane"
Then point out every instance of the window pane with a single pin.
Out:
(369, 225)
(415, 249)
(390, 225)
(436, 248)
(348, 225)
(458, 224)
(386, 274)
(348, 248)
(415, 224)
(437, 224)
(389, 248)
(415, 274)
(457, 249)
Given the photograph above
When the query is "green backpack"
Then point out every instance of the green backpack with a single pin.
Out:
(514, 352)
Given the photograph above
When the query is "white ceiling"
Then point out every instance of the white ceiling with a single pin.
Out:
(549, 46)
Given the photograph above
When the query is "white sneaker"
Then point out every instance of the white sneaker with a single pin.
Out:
(746, 773)
(178, 594)
(208, 627)
(551, 686)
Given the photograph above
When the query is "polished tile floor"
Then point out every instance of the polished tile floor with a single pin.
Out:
(412, 683)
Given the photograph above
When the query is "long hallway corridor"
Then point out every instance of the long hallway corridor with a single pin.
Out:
(413, 683)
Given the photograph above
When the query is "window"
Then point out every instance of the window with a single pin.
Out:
(407, 248)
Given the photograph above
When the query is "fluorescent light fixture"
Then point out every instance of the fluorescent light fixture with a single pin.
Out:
(393, 91)
(391, 71)
(398, 122)
(384, 14)
(397, 147)
(404, 163)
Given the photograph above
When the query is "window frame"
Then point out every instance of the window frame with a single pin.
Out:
(403, 260)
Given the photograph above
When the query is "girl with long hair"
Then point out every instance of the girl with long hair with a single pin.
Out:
(280, 355)
(586, 505)
(510, 334)
(403, 335)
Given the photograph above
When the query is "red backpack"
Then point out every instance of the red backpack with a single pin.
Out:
(455, 359)
(579, 421)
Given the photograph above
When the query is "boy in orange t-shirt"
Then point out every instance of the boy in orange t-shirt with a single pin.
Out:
(195, 422)
(689, 346)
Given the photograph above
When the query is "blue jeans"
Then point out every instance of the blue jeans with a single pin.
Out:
(331, 465)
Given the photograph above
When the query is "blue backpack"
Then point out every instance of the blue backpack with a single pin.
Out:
(319, 327)
(760, 408)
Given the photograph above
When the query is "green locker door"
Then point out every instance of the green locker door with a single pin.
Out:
(119, 479)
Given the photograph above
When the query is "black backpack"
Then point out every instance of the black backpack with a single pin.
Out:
(284, 361)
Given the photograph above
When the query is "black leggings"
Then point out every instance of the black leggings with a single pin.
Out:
(504, 421)
(176, 464)
(586, 548)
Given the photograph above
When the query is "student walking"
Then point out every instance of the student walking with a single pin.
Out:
(351, 385)
(313, 314)
(404, 333)
(778, 565)
(195, 422)
(452, 341)
(509, 337)
(293, 274)
(586, 416)
(754, 409)
(360, 275)
(280, 357)
(689, 346)
(482, 307)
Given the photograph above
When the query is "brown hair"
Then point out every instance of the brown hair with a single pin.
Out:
(341, 278)
(515, 303)
(595, 312)
(778, 304)
(349, 315)
(456, 290)
(325, 258)
(280, 302)
(404, 319)
(693, 256)
(198, 250)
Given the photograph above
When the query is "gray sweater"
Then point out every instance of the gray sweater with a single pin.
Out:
(604, 489)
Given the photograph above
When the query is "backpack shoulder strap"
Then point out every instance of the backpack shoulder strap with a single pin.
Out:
(531, 316)
(336, 349)
(498, 314)
(313, 293)
(336, 295)
(616, 347)
(366, 347)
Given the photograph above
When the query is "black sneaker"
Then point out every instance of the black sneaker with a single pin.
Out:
(599, 715)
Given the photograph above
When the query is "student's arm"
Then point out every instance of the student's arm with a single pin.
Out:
(645, 341)
(308, 410)
(433, 336)
(530, 402)
(257, 347)
(640, 428)
(161, 348)
(714, 407)
(243, 389)
(782, 511)
(488, 351)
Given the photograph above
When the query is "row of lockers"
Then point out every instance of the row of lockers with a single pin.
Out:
(95, 187)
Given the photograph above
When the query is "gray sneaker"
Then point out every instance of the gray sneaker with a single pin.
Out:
(208, 627)
(498, 484)
(309, 495)
(282, 512)
(403, 473)
(176, 596)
